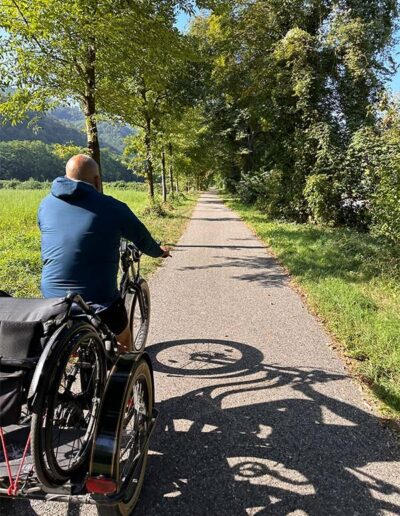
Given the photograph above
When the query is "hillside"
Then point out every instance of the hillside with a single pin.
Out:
(66, 125)
(50, 130)
(27, 152)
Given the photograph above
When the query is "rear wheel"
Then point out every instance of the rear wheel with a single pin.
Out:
(64, 420)
(132, 447)
(137, 305)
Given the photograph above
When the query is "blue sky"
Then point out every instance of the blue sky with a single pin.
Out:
(183, 21)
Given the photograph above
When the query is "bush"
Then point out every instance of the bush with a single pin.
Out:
(264, 189)
(155, 208)
(386, 204)
(30, 184)
(322, 194)
(124, 185)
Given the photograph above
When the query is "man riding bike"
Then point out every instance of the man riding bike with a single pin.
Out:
(81, 230)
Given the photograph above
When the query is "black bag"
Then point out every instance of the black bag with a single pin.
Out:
(22, 327)
(18, 341)
(11, 399)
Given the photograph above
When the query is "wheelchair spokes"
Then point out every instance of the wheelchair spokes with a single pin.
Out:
(135, 428)
(67, 418)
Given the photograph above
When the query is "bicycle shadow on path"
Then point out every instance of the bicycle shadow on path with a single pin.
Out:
(237, 446)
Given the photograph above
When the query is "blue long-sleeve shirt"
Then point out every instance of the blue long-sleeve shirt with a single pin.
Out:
(81, 231)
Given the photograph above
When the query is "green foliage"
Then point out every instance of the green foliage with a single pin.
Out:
(30, 184)
(385, 200)
(323, 198)
(296, 87)
(48, 129)
(90, 53)
(24, 160)
(263, 189)
(124, 185)
(65, 125)
(155, 208)
(386, 204)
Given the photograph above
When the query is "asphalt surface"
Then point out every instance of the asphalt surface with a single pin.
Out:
(258, 415)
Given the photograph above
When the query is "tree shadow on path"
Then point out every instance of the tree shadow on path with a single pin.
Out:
(264, 270)
(255, 439)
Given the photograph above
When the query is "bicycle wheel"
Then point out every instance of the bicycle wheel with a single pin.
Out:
(132, 446)
(64, 420)
(137, 305)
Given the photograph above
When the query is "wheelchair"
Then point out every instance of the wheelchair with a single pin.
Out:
(76, 417)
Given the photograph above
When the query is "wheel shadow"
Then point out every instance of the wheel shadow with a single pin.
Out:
(223, 449)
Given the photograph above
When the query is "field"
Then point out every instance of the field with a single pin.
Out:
(352, 281)
(20, 264)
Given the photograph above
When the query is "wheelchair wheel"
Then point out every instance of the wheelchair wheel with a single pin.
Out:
(131, 446)
(138, 311)
(66, 412)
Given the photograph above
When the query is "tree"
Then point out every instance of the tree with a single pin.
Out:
(291, 83)
(149, 101)
(79, 51)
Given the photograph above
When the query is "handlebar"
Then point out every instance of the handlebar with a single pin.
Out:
(128, 248)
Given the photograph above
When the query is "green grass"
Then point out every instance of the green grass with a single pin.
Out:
(20, 264)
(352, 281)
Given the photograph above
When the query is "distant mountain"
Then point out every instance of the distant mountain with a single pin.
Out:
(50, 130)
(29, 152)
(110, 135)
(66, 125)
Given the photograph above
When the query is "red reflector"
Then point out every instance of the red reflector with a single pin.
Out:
(101, 485)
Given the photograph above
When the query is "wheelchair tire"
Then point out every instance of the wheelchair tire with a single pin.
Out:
(67, 409)
(139, 395)
(137, 305)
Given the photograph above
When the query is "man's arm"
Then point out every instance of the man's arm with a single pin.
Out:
(134, 230)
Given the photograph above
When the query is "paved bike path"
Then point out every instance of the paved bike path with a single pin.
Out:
(257, 414)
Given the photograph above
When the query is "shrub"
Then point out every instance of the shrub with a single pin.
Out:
(265, 190)
(322, 194)
(386, 204)
(30, 184)
(155, 208)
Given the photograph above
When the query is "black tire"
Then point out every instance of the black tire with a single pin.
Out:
(65, 412)
(141, 421)
(139, 315)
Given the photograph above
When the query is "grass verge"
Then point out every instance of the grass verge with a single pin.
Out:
(352, 281)
(20, 263)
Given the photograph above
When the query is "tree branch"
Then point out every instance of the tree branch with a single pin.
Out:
(34, 38)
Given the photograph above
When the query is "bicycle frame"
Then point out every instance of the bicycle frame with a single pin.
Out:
(130, 255)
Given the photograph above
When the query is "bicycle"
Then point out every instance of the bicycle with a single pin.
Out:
(135, 291)
(92, 410)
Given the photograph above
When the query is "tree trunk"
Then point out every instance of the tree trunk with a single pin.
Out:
(148, 142)
(90, 107)
(171, 175)
(164, 178)
(149, 159)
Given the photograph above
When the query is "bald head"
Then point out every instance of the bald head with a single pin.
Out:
(84, 168)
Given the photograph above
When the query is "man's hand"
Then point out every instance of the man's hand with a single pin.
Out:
(166, 253)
